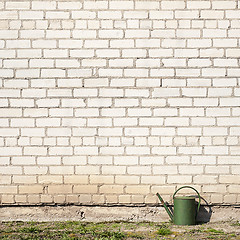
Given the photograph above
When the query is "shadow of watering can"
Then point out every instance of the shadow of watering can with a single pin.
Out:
(185, 210)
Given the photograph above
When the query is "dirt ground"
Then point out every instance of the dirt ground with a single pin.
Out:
(114, 223)
(73, 230)
(110, 213)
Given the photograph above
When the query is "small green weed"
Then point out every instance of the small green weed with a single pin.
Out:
(195, 231)
(109, 235)
(30, 229)
(236, 223)
(164, 231)
(212, 230)
(135, 235)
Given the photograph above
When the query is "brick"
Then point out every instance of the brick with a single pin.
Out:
(87, 169)
(218, 112)
(20, 198)
(75, 179)
(74, 160)
(111, 150)
(31, 189)
(217, 169)
(220, 83)
(137, 189)
(233, 121)
(205, 179)
(152, 180)
(187, 73)
(6, 73)
(214, 33)
(57, 34)
(179, 179)
(223, 5)
(59, 189)
(216, 150)
(198, 121)
(31, 15)
(11, 151)
(85, 198)
(17, 5)
(174, 82)
(232, 14)
(35, 151)
(135, 72)
(229, 102)
(111, 92)
(69, 5)
(147, 5)
(5, 180)
(199, 43)
(165, 112)
(57, 15)
(24, 179)
(194, 92)
(164, 150)
(48, 160)
(172, 5)
(8, 199)
(177, 160)
(229, 179)
(117, 189)
(198, 5)
(33, 34)
(29, 53)
(235, 170)
(60, 151)
(95, 179)
(148, 43)
(78, 72)
(27, 73)
(218, 141)
(186, 53)
(212, 14)
(190, 170)
(120, 43)
(122, 160)
(110, 72)
(166, 33)
(234, 150)
(193, 14)
(160, 52)
(92, 82)
(194, 112)
(108, 53)
(176, 121)
(24, 122)
(188, 33)
(36, 5)
(234, 131)
(9, 15)
(70, 83)
(213, 72)
(8, 189)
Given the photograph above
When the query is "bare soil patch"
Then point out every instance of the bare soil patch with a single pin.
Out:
(73, 230)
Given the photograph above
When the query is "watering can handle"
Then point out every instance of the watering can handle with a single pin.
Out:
(199, 202)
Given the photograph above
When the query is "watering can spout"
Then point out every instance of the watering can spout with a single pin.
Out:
(165, 206)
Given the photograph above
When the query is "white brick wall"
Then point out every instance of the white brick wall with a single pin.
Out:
(110, 101)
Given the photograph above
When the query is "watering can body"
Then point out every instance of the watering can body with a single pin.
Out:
(185, 210)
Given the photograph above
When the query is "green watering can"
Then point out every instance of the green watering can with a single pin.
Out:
(185, 211)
